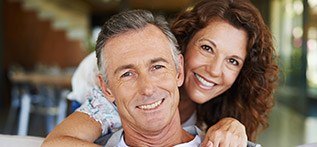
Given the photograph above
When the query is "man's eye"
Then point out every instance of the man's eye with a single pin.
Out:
(126, 74)
(207, 48)
(155, 67)
(234, 62)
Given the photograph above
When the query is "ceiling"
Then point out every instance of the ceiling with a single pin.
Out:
(101, 6)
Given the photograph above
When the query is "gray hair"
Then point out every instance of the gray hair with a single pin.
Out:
(127, 21)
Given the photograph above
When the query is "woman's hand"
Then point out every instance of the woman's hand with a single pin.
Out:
(228, 132)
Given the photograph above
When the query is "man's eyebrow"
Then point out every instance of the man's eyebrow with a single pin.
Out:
(159, 59)
(123, 67)
(152, 61)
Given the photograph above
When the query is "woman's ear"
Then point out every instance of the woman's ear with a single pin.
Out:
(180, 70)
(105, 89)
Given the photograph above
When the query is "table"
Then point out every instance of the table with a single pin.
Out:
(50, 99)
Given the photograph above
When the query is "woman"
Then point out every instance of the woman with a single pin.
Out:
(248, 94)
(230, 71)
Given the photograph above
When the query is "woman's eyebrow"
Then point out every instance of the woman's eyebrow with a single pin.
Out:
(208, 40)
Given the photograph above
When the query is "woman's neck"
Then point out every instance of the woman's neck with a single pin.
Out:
(170, 135)
(186, 106)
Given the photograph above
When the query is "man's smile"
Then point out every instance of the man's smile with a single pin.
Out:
(151, 106)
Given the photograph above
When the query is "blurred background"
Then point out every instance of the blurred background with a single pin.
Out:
(43, 41)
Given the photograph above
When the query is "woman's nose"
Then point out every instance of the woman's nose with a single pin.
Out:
(215, 68)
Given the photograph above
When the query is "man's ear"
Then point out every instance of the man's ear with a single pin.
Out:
(180, 70)
(105, 89)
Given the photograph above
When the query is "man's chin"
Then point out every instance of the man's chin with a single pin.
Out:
(155, 126)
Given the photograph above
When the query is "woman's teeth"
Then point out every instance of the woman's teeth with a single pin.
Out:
(203, 81)
(151, 106)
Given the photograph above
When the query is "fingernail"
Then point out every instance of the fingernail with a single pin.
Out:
(209, 144)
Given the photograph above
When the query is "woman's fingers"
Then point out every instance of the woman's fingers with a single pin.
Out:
(228, 132)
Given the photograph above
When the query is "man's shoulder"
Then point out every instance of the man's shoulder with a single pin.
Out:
(113, 139)
(110, 140)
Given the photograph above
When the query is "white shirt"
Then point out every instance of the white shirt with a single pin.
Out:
(193, 143)
(116, 139)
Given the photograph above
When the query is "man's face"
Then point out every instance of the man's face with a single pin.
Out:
(143, 78)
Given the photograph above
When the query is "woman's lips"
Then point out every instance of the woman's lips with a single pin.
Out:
(206, 84)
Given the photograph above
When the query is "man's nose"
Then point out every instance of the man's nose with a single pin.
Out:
(146, 85)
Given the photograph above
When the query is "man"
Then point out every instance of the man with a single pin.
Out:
(141, 71)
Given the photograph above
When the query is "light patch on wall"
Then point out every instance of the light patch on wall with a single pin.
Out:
(312, 3)
(298, 7)
(297, 32)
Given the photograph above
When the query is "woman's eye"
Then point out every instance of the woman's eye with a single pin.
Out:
(207, 48)
(234, 62)
(126, 74)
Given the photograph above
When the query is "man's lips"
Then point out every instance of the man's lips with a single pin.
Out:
(151, 106)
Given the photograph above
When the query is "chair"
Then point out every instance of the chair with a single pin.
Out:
(39, 93)
(15, 141)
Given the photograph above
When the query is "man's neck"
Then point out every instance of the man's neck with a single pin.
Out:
(186, 106)
(170, 135)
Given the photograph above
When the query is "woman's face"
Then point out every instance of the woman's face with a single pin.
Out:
(213, 60)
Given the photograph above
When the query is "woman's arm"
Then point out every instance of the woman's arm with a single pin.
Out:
(95, 117)
(227, 132)
(78, 129)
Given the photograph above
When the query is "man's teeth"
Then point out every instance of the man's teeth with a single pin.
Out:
(203, 81)
(151, 106)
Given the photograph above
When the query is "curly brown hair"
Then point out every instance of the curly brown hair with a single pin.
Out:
(250, 98)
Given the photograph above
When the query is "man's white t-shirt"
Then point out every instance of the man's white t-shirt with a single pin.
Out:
(194, 143)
